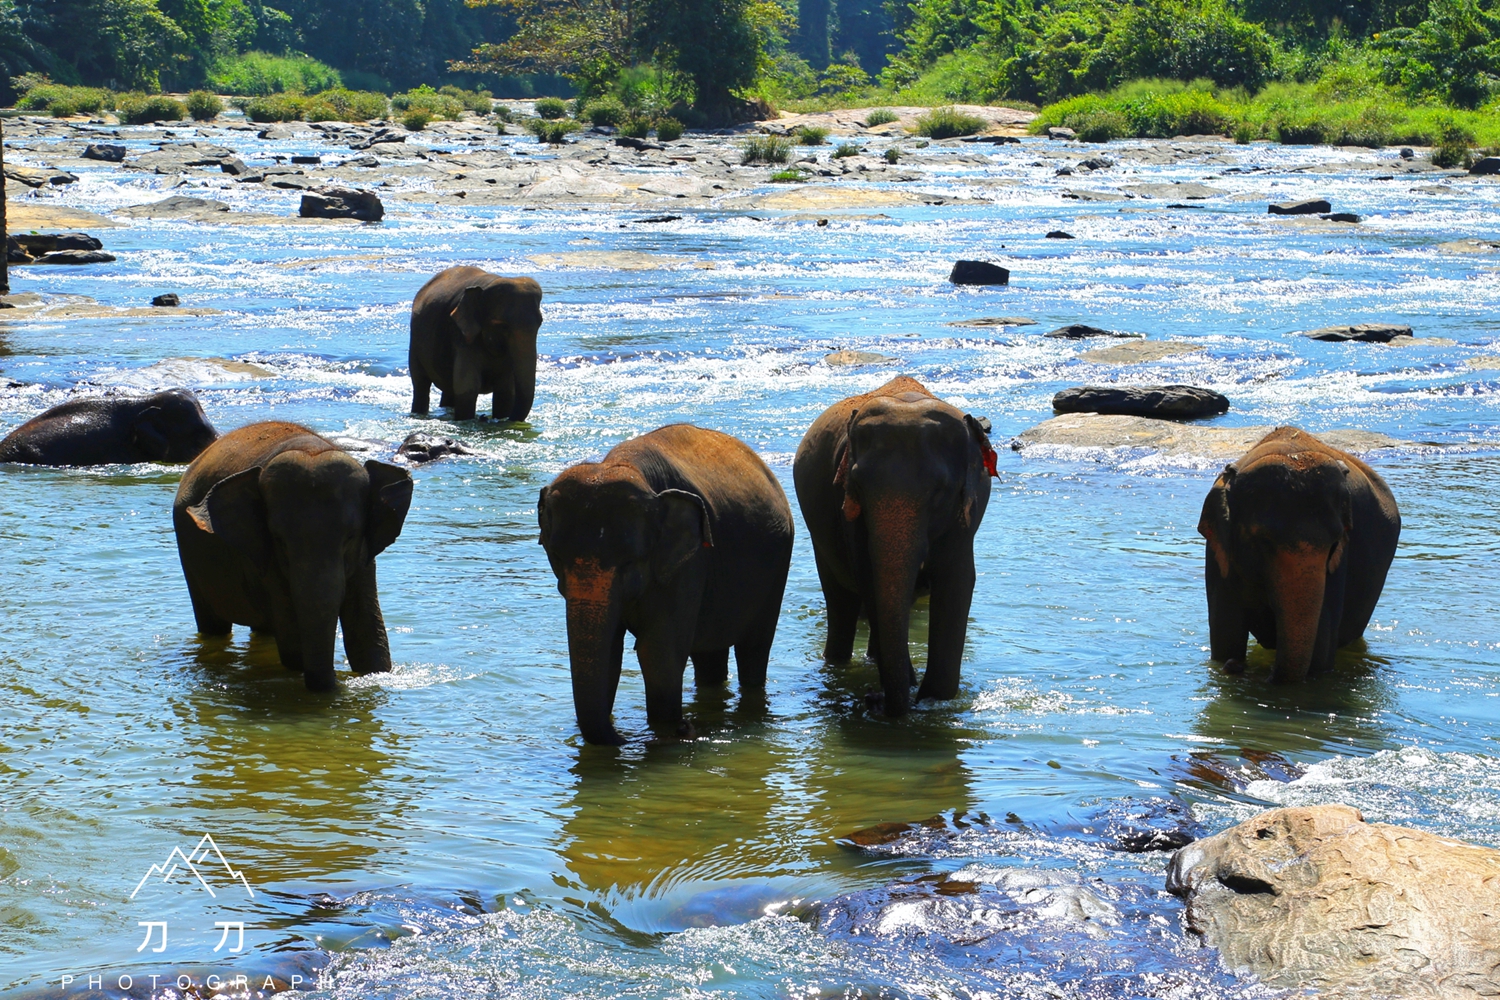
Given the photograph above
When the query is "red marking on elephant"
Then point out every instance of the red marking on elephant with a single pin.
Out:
(587, 581)
(1298, 577)
(990, 460)
(851, 508)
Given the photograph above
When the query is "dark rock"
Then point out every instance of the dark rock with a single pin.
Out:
(168, 299)
(1078, 331)
(76, 257)
(640, 145)
(984, 321)
(1058, 234)
(15, 253)
(1340, 217)
(175, 205)
(1371, 333)
(362, 161)
(294, 182)
(978, 272)
(37, 244)
(420, 447)
(1486, 166)
(1167, 402)
(1064, 171)
(35, 178)
(1097, 163)
(342, 203)
(1057, 132)
(1309, 206)
(307, 159)
(1407, 153)
(106, 151)
(998, 140)
(234, 166)
(674, 218)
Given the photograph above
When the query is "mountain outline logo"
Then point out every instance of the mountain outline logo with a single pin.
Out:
(206, 851)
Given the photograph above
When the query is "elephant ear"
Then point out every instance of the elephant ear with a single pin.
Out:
(235, 511)
(979, 431)
(543, 518)
(147, 437)
(390, 499)
(469, 313)
(684, 530)
(1213, 523)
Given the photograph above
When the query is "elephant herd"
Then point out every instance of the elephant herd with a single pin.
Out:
(683, 537)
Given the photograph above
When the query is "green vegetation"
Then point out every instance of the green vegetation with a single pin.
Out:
(62, 102)
(330, 106)
(811, 135)
(551, 108)
(415, 119)
(203, 106)
(259, 74)
(766, 149)
(603, 111)
(636, 128)
(435, 104)
(945, 123)
(846, 149)
(893, 155)
(881, 116)
(551, 131)
(789, 176)
(668, 129)
(143, 109)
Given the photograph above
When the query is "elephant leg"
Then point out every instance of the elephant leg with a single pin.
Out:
(711, 668)
(208, 622)
(504, 397)
(663, 664)
(443, 399)
(1228, 634)
(365, 641)
(752, 654)
(951, 569)
(464, 407)
(421, 388)
(289, 646)
(467, 380)
(843, 615)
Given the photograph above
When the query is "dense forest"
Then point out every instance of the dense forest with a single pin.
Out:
(715, 54)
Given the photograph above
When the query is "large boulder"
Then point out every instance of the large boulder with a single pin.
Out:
(1487, 165)
(978, 272)
(1170, 402)
(342, 203)
(75, 257)
(37, 244)
(36, 177)
(1317, 897)
(1308, 206)
(1370, 333)
(107, 152)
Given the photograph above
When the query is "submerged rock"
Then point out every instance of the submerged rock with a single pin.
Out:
(167, 300)
(420, 447)
(1058, 234)
(1308, 206)
(1371, 333)
(175, 206)
(1173, 402)
(106, 152)
(75, 257)
(1138, 351)
(1317, 897)
(1078, 331)
(984, 321)
(850, 359)
(341, 203)
(1172, 438)
(978, 272)
(40, 243)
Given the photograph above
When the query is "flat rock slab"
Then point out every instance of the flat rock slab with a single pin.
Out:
(1079, 331)
(988, 321)
(1317, 897)
(828, 198)
(1169, 402)
(177, 206)
(615, 260)
(1177, 440)
(76, 257)
(190, 372)
(1369, 333)
(851, 359)
(1138, 352)
(1468, 246)
(21, 217)
(1308, 206)
(1175, 190)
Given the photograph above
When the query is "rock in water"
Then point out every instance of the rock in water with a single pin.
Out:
(15, 253)
(978, 272)
(76, 257)
(1059, 132)
(108, 152)
(1371, 333)
(342, 203)
(1318, 897)
(1170, 402)
(420, 447)
(1309, 206)
(1488, 165)
(168, 300)
(1058, 234)
(847, 358)
(40, 243)
(1078, 331)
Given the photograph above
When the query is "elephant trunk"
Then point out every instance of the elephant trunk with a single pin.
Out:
(523, 371)
(897, 541)
(1299, 578)
(317, 595)
(595, 645)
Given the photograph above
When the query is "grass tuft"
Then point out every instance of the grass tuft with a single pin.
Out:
(766, 149)
(947, 122)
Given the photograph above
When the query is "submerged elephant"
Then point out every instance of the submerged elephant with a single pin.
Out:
(278, 529)
(681, 537)
(1299, 537)
(473, 332)
(113, 430)
(893, 486)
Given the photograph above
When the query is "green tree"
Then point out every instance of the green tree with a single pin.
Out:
(1453, 54)
(714, 43)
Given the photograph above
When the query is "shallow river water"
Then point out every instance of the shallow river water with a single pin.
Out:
(443, 831)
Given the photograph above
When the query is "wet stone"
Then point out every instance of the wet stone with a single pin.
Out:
(988, 321)
(341, 203)
(1308, 206)
(978, 272)
(168, 300)
(107, 152)
(1370, 333)
(1078, 331)
(851, 359)
(76, 257)
(1171, 402)
(1486, 166)
(1058, 234)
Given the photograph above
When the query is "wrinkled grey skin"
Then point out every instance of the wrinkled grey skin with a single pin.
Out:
(473, 333)
(278, 529)
(113, 430)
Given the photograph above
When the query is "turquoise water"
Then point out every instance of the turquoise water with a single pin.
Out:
(443, 828)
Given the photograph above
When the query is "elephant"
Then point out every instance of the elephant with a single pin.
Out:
(893, 485)
(473, 332)
(682, 537)
(278, 528)
(113, 430)
(1298, 538)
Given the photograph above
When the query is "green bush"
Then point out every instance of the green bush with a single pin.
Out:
(881, 116)
(62, 102)
(415, 119)
(766, 149)
(947, 122)
(203, 106)
(551, 108)
(1183, 40)
(438, 106)
(260, 74)
(551, 131)
(1101, 126)
(603, 111)
(1455, 149)
(811, 135)
(479, 101)
(636, 128)
(142, 109)
(502, 113)
(893, 155)
(349, 105)
(668, 129)
(791, 176)
(846, 149)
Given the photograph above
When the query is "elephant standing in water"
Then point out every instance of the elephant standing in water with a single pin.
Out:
(893, 486)
(1299, 537)
(163, 427)
(473, 332)
(278, 528)
(681, 537)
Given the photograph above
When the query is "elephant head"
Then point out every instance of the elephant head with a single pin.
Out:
(612, 540)
(915, 473)
(172, 427)
(497, 321)
(310, 523)
(1278, 525)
